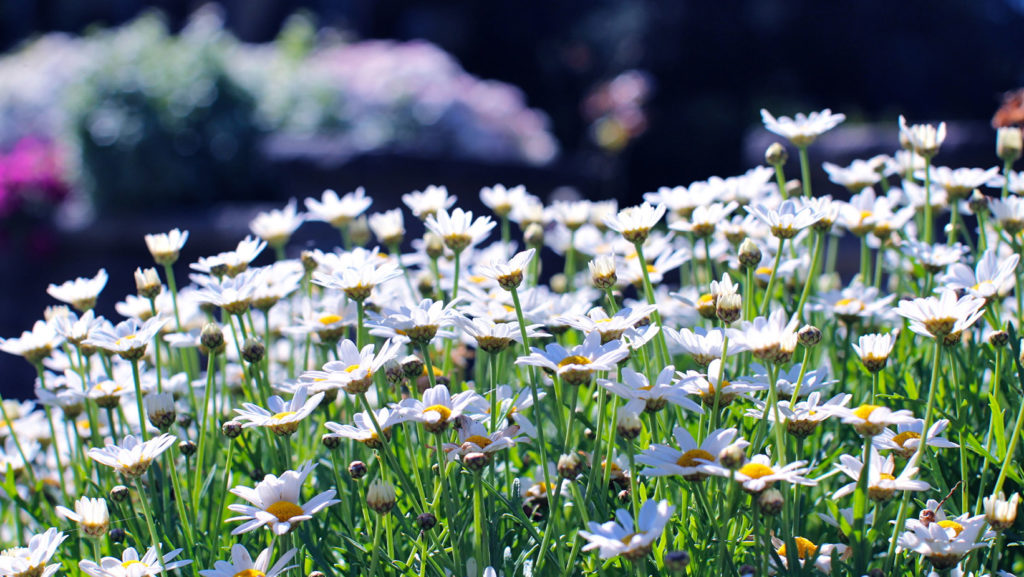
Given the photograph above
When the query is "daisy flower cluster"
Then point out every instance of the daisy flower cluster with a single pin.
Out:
(696, 385)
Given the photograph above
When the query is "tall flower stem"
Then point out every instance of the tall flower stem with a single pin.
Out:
(901, 516)
(1010, 450)
(479, 526)
(819, 245)
(1007, 168)
(172, 287)
(928, 224)
(805, 171)
(204, 424)
(138, 400)
(860, 503)
(780, 179)
(661, 347)
(146, 512)
(771, 280)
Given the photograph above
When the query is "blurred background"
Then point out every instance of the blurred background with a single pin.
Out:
(121, 117)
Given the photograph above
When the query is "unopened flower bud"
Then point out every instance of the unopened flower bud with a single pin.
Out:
(119, 494)
(728, 308)
(308, 261)
(750, 254)
(747, 570)
(425, 284)
(359, 231)
(629, 425)
(393, 372)
(776, 155)
(253, 350)
(413, 366)
(426, 521)
(623, 496)
(147, 283)
(809, 335)
(534, 235)
(602, 272)
(357, 469)
(231, 429)
(706, 306)
(999, 338)
(184, 420)
(770, 502)
(677, 561)
(732, 457)
(1009, 143)
(381, 496)
(559, 283)
(434, 245)
(476, 461)
(978, 202)
(569, 466)
(187, 448)
(330, 441)
(1001, 513)
(160, 410)
(117, 535)
(794, 187)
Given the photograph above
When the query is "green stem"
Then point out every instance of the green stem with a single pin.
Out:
(805, 171)
(661, 348)
(928, 225)
(138, 400)
(146, 512)
(819, 244)
(172, 287)
(771, 279)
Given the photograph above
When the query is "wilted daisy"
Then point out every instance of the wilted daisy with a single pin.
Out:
(364, 431)
(128, 339)
(882, 484)
(131, 565)
(283, 418)
(578, 365)
(338, 212)
(651, 397)
(242, 565)
(634, 223)
(759, 474)
(991, 278)
(788, 219)
(31, 561)
(802, 129)
(874, 350)
(91, 515)
(623, 537)
(275, 503)
(80, 293)
(938, 317)
(924, 139)
(132, 458)
(459, 230)
(907, 438)
(662, 460)
(439, 407)
(278, 225)
(870, 420)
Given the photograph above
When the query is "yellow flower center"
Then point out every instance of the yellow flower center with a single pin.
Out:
(442, 410)
(283, 415)
(864, 411)
(352, 368)
(706, 299)
(756, 470)
(854, 303)
(886, 477)
(689, 458)
(651, 268)
(574, 360)
(250, 573)
(477, 279)
(947, 524)
(329, 319)
(284, 510)
(124, 340)
(804, 548)
(130, 562)
(625, 540)
(479, 441)
(905, 436)
(763, 270)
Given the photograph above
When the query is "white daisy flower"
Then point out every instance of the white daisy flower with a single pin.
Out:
(91, 515)
(1008, 213)
(459, 230)
(242, 565)
(858, 176)
(806, 550)
(623, 537)
(942, 316)
(508, 274)
(359, 280)
(960, 182)
(388, 226)
(704, 345)
(572, 214)
(419, 324)
(882, 485)
(494, 337)
(502, 200)
(283, 418)
(474, 438)
(275, 503)
(991, 277)
(128, 339)
(759, 474)
(704, 219)
(871, 420)
(944, 543)
(802, 129)
(234, 294)
(707, 386)
(663, 460)
(131, 565)
(354, 369)
(802, 418)
(132, 458)
(907, 438)
(651, 397)
(165, 247)
(232, 262)
(788, 219)
(278, 225)
(80, 293)
(770, 339)
(634, 223)
(439, 407)
(511, 405)
(362, 429)
(855, 302)
(338, 212)
(578, 365)
(924, 139)
(429, 202)
(34, 345)
(933, 257)
(610, 328)
(31, 561)
(874, 349)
